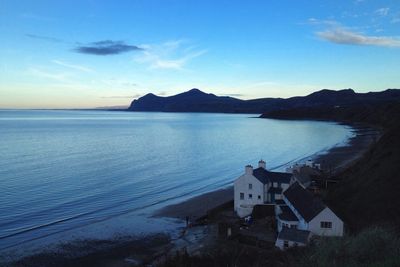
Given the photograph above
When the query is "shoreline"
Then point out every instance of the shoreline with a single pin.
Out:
(332, 161)
(126, 253)
(338, 158)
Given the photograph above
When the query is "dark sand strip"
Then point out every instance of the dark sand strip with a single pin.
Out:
(338, 158)
(197, 206)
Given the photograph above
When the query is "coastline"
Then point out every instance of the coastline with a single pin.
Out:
(338, 158)
(126, 253)
(332, 161)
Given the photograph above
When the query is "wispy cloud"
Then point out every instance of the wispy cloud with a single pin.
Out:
(327, 22)
(72, 66)
(341, 35)
(57, 76)
(170, 55)
(234, 95)
(33, 16)
(396, 18)
(107, 47)
(44, 38)
(118, 82)
(123, 96)
(384, 11)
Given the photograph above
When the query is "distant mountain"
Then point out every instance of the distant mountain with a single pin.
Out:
(191, 101)
(195, 100)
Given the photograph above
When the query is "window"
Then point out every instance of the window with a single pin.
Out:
(285, 244)
(326, 225)
(250, 186)
(241, 195)
(250, 196)
(259, 197)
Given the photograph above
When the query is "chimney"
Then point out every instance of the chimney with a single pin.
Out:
(261, 164)
(248, 170)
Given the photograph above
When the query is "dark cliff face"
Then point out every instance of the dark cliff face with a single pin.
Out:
(198, 101)
(368, 191)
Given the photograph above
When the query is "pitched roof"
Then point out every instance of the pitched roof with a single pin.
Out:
(295, 235)
(287, 214)
(303, 201)
(265, 176)
(262, 211)
(304, 174)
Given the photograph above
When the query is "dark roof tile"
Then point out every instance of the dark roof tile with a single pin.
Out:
(265, 176)
(287, 214)
(295, 235)
(303, 201)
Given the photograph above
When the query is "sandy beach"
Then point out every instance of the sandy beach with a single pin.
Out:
(338, 158)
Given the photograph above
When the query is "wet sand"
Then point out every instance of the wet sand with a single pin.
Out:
(197, 206)
(338, 158)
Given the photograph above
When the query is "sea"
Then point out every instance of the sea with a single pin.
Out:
(70, 175)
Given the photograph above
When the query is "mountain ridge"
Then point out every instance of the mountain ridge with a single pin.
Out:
(196, 100)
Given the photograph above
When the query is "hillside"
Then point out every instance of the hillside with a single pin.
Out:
(195, 100)
(367, 192)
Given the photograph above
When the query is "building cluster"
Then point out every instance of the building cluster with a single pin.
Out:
(299, 214)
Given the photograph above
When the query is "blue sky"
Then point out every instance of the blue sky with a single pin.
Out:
(78, 54)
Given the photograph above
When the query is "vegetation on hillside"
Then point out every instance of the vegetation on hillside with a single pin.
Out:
(373, 246)
(367, 191)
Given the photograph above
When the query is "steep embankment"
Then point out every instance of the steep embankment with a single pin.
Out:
(368, 191)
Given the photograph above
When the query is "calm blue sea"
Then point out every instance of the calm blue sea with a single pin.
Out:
(69, 174)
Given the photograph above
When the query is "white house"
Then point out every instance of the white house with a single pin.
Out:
(300, 211)
(258, 186)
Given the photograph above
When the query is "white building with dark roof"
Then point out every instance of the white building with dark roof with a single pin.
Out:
(300, 212)
(258, 186)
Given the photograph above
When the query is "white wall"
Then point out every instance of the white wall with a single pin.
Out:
(284, 187)
(279, 243)
(326, 215)
(290, 224)
(266, 195)
(241, 185)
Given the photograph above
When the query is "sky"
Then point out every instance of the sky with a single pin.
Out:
(86, 53)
